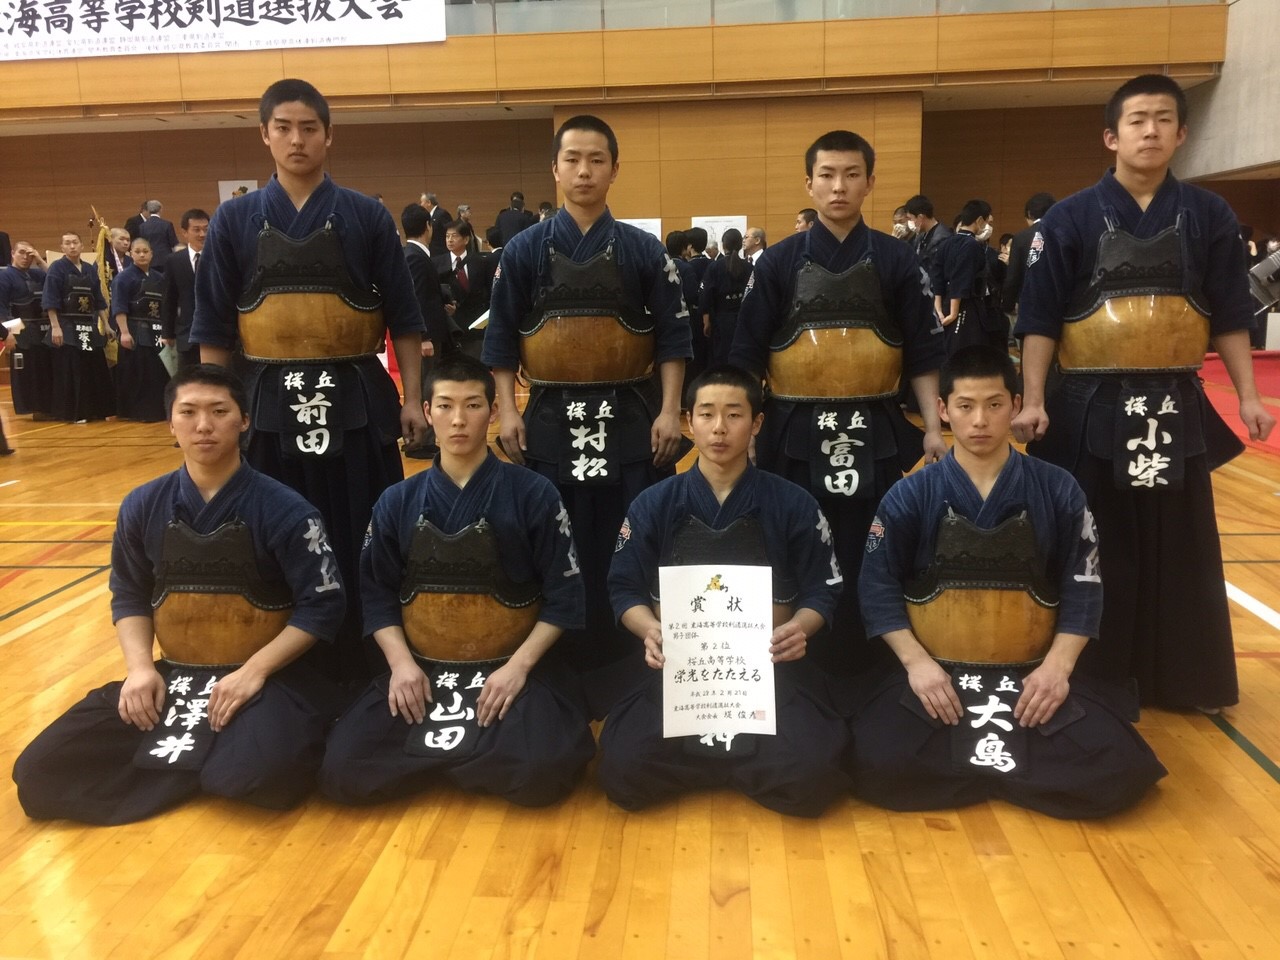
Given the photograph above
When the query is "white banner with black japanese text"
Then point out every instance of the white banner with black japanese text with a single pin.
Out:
(52, 29)
(717, 621)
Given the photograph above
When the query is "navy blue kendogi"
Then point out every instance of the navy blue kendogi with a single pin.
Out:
(1096, 258)
(140, 374)
(308, 296)
(807, 285)
(621, 282)
(31, 377)
(170, 547)
(533, 755)
(1087, 761)
(82, 388)
(770, 521)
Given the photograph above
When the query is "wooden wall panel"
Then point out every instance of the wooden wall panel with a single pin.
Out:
(128, 80)
(1198, 34)
(377, 150)
(533, 61)
(341, 71)
(1007, 41)
(710, 130)
(639, 58)
(873, 48)
(1092, 38)
(793, 123)
(461, 63)
(229, 75)
(638, 190)
(772, 51)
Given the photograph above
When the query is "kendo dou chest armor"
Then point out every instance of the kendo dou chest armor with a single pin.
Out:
(457, 602)
(839, 341)
(144, 312)
(742, 542)
(582, 330)
(302, 304)
(26, 307)
(211, 605)
(1133, 314)
(981, 601)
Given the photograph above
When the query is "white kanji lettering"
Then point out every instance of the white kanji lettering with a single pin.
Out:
(316, 409)
(1088, 527)
(454, 711)
(84, 341)
(844, 482)
(583, 436)
(1146, 470)
(576, 410)
(325, 380)
(711, 739)
(328, 567)
(207, 689)
(824, 528)
(826, 420)
(180, 684)
(1091, 573)
(585, 466)
(293, 380)
(446, 738)
(173, 747)
(317, 540)
(1135, 406)
(990, 752)
(606, 411)
(195, 713)
(987, 714)
(1150, 441)
(970, 681)
(477, 682)
(857, 422)
(1007, 684)
(1166, 406)
(316, 441)
(446, 680)
(838, 450)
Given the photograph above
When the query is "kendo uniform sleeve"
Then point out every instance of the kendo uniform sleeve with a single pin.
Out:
(300, 547)
(382, 562)
(635, 559)
(763, 302)
(510, 298)
(890, 551)
(551, 539)
(132, 578)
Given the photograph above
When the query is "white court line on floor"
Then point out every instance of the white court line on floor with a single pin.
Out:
(1256, 607)
(9, 483)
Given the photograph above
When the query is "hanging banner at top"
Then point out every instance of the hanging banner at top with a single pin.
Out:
(52, 29)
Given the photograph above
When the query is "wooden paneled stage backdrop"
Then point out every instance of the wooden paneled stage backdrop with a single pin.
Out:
(1192, 872)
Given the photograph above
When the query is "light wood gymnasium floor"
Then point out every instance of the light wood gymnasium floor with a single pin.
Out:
(1193, 871)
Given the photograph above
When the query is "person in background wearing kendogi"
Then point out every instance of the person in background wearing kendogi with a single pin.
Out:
(30, 352)
(720, 297)
(82, 388)
(137, 306)
(981, 575)
(306, 279)
(231, 574)
(469, 577)
(1129, 283)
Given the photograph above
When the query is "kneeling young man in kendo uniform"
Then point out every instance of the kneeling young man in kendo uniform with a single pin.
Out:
(469, 576)
(232, 574)
(982, 575)
(723, 509)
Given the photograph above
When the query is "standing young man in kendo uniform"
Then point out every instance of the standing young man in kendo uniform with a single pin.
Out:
(31, 359)
(82, 388)
(469, 577)
(981, 574)
(834, 318)
(591, 309)
(724, 509)
(305, 278)
(1130, 281)
(137, 305)
(231, 573)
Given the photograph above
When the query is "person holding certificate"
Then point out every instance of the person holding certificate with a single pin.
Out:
(725, 510)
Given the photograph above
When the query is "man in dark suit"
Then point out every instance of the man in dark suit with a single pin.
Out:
(1020, 250)
(134, 222)
(158, 232)
(438, 341)
(515, 218)
(440, 219)
(180, 288)
(469, 279)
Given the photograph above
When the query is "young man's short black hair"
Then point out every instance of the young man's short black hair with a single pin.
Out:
(209, 374)
(592, 124)
(1006, 238)
(727, 375)
(919, 205)
(195, 213)
(494, 236)
(677, 240)
(1038, 205)
(972, 210)
(517, 200)
(415, 220)
(698, 237)
(1148, 84)
(977, 361)
(292, 91)
(809, 214)
(843, 141)
(460, 368)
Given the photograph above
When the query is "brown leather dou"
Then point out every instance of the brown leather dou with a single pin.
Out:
(835, 363)
(214, 628)
(983, 625)
(584, 350)
(309, 326)
(1148, 332)
(466, 626)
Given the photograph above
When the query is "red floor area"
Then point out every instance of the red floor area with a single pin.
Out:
(1217, 386)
